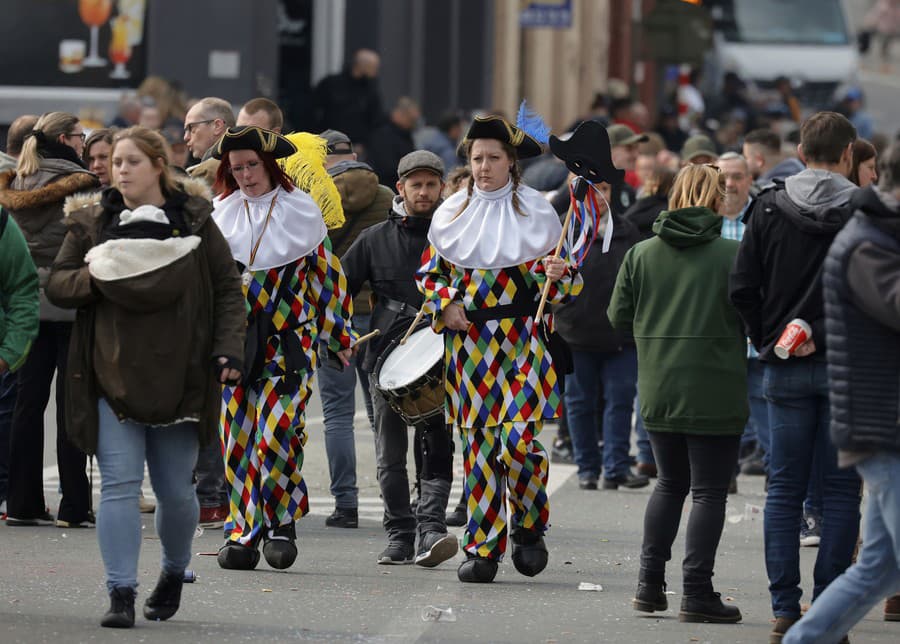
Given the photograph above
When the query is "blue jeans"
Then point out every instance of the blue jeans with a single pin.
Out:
(617, 373)
(338, 392)
(758, 423)
(797, 392)
(8, 388)
(876, 573)
(170, 452)
(641, 438)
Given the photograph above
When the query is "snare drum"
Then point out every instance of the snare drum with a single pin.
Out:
(410, 377)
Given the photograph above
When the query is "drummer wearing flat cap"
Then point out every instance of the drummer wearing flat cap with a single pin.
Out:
(488, 258)
(296, 296)
(386, 256)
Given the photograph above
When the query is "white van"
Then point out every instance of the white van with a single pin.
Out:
(809, 41)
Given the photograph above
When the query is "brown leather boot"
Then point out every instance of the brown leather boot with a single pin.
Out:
(892, 609)
(782, 624)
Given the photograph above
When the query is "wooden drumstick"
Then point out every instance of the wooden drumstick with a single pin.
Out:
(414, 324)
(547, 283)
(367, 337)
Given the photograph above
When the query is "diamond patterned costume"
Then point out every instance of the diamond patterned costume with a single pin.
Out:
(500, 386)
(263, 425)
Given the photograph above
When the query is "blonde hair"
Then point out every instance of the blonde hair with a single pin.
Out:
(48, 127)
(151, 143)
(697, 185)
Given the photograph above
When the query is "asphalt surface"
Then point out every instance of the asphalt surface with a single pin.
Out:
(51, 583)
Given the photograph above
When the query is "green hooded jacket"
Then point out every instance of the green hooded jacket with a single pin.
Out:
(18, 295)
(671, 294)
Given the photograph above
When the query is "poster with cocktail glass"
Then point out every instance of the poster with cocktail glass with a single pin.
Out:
(73, 43)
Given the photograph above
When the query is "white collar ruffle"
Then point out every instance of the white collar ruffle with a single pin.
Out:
(295, 229)
(489, 233)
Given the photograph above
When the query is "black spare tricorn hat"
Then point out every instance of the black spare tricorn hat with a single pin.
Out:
(496, 127)
(587, 153)
(251, 137)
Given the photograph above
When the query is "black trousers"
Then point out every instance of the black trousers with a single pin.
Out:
(702, 465)
(26, 445)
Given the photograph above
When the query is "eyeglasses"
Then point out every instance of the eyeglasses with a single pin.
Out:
(80, 135)
(190, 127)
(250, 165)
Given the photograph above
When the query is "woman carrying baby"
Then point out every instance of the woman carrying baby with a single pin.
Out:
(159, 327)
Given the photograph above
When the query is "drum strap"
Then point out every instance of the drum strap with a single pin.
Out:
(397, 306)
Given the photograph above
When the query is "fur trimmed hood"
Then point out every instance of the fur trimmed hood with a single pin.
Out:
(45, 195)
(197, 208)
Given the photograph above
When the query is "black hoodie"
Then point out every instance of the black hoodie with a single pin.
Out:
(777, 272)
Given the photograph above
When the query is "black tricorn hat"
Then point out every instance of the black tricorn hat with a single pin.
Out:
(251, 137)
(587, 153)
(496, 127)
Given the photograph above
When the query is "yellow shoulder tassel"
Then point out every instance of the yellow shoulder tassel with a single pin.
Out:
(306, 168)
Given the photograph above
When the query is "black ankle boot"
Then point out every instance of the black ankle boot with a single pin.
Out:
(279, 546)
(121, 608)
(529, 553)
(237, 556)
(165, 599)
(477, 569)
(708, 607)
(650, 597)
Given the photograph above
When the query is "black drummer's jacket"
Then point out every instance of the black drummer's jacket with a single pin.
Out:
(387, 256)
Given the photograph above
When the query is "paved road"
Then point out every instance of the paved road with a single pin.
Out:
(51, 582)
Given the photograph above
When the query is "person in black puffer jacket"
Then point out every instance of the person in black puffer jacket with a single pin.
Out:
(600, 356)
(862, 320)
(645, 210)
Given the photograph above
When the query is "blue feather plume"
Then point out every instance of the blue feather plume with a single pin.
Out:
(532, 124)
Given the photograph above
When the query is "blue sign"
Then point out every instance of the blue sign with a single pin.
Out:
(557, 15)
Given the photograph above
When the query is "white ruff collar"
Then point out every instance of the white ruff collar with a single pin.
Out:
(489, 233)
(295, 228)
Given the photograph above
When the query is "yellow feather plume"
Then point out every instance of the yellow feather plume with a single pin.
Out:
(306, 168)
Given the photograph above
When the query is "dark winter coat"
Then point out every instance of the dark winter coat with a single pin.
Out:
(777, 273)
(583, 322)
(643, 213)
(148, 344)
(387, 256)
(861, 287)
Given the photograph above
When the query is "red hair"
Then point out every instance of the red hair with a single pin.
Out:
(226, 183)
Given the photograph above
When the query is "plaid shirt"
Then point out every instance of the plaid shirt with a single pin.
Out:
(734, 229)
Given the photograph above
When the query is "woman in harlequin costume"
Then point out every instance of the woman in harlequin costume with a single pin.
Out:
(296, 295)
(488, 258)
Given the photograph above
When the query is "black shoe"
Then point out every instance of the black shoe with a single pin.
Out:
(343, 518)
(457, 518)
(753, 467)
(630, 480)
(165, 599)
(732, 487)
(88, 521)
(121, 608)
(588, 483)
(561, 452)
(529, 552)
(479, 570)
(398, 553)
(708, 607)
(280, 546)
(237, 556)
(650, 597)
(436, 548)
(42, 519)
